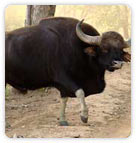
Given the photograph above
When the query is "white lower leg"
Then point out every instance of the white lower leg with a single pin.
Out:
(81, 96)
(62, 108)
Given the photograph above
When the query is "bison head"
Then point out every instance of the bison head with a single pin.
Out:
(108, 48)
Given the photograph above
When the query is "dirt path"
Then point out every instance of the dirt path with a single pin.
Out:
(35, 115)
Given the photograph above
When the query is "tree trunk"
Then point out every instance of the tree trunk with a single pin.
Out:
(37, 12)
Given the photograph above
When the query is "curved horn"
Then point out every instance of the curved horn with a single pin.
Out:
(93, 40)
(128, 43)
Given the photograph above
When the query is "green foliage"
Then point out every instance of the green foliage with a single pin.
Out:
(7, 90)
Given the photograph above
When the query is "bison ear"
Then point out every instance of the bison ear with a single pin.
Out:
(126, 57)
(90, 51)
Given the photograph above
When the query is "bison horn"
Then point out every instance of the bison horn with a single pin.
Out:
(93, 40)
(128, 43)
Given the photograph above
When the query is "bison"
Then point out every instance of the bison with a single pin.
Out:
(64, 53)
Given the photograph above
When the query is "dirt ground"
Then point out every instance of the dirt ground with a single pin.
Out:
(36, 114)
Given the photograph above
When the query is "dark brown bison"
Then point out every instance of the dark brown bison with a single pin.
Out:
(64, 53)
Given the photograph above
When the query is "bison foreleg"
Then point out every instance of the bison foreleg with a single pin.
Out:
(63, 121)
(84, 110)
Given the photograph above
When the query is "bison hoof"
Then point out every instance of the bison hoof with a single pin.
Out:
(84, 119)
(63, 123)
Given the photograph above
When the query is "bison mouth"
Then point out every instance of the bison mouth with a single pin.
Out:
(115, 65)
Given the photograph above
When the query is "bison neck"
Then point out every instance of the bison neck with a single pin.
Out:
(90, 79)
(94, 84)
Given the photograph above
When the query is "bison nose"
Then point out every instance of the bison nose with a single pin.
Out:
(117, 64)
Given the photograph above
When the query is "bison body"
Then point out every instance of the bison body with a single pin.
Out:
(49, 53)
(63, 53)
